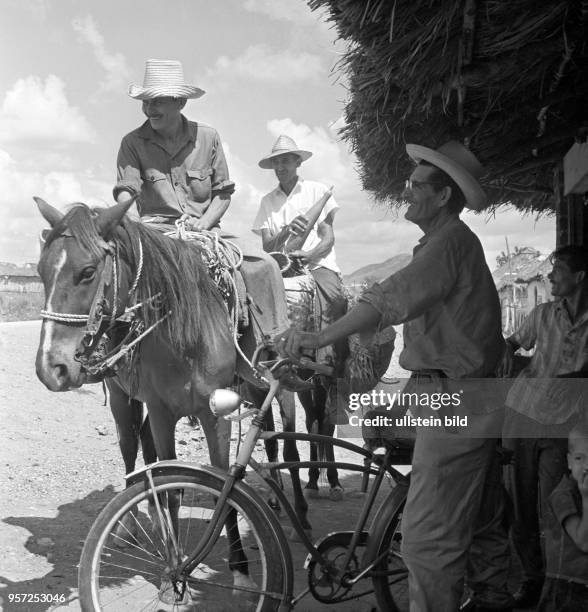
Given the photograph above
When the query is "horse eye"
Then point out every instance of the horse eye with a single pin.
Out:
(87, 274)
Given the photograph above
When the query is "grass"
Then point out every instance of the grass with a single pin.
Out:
(19, 306)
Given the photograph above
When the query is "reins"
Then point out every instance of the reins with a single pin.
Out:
(94, 319)
(109, 271)
(223, 259)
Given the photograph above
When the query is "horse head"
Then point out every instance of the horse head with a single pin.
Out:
(74, 260)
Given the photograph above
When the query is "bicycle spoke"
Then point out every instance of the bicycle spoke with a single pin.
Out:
(138, 575)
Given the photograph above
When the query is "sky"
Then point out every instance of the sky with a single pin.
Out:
(268, 67)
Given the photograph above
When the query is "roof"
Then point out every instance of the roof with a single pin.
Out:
(508, 79)
(524, 266)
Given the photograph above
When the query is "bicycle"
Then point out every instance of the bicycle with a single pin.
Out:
(175, 557)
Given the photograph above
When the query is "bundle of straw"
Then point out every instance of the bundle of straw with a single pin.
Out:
(506, 78)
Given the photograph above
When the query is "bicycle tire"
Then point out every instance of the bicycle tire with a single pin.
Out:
(390, 576)
(122, 573)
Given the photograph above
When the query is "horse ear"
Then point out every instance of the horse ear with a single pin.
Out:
(51, 214)
(109, 218)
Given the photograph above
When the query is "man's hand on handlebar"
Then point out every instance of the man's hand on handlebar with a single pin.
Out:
(292, 343)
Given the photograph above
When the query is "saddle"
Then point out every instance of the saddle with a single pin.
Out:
(247, 279)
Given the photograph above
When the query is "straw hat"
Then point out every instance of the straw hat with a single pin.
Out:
(460, 164)
(284, 144)
(164, 78)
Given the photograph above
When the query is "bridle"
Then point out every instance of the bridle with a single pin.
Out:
(95, 319)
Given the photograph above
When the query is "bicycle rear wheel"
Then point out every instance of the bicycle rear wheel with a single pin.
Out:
(128, 557)
(390, 576)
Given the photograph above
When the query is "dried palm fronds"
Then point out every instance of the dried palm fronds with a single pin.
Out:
(507, 78)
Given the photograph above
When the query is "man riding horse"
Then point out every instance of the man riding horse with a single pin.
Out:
(177, 169)
(296, 219)
(283, 216)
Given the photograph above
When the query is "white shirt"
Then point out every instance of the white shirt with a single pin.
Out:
(277, 210)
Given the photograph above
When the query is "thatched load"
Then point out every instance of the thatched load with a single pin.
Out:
(508, 78)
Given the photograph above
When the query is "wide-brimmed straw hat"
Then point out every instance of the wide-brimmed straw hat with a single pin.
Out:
(460, 164)
(284, 144)
(164, 78)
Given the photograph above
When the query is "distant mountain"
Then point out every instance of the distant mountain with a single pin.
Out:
(374, 273)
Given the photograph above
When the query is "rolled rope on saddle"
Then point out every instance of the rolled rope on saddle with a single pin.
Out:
(223, 258)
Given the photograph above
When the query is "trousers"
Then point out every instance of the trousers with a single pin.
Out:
(453, 522)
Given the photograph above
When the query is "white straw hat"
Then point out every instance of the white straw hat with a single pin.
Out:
(164, 78)
(460, 164)
(284, 144)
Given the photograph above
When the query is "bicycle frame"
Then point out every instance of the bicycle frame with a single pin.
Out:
(234, 479)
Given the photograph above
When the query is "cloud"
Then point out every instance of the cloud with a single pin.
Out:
(260, 63)
(330, 162)
(282, 10)
(22, 220)
(509, 223)
(34, 110)
(114, 64)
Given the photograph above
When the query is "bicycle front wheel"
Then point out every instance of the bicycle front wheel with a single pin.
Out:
(390, 576)
(131, 554)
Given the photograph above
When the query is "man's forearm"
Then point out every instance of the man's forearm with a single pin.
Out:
(276, 243)
(360, 318)
(320, 250)
(216, 209)
(123, 197)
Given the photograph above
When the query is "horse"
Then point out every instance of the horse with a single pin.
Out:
(313, 402)
(304, 311)
(97, 263)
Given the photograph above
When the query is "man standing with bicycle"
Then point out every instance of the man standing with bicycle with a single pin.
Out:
(448, 302)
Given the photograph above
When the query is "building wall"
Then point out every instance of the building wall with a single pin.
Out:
(21, 284)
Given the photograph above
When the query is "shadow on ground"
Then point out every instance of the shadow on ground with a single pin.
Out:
(60, 541)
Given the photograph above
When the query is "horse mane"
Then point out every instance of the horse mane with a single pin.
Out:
(172, 268)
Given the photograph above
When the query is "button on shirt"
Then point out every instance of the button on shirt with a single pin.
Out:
(448, 301)
(173, 182)
(561, 347)
(277, 210)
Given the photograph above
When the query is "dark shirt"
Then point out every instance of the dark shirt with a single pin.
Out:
(563, 558)
(448, 301)
(170, 183)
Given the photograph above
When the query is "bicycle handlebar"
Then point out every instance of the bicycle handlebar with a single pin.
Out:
(305, 363)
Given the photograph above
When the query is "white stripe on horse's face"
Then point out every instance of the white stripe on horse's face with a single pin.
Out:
(48, 324)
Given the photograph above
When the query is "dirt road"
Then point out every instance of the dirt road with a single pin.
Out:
(60, 464)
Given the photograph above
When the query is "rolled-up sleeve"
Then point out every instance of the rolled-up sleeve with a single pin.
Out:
(410, 292)
(128, 172)
(221, 183)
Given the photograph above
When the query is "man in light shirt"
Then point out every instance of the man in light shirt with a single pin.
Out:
(282, 216)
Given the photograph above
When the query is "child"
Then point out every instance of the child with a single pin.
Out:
(566, 532)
